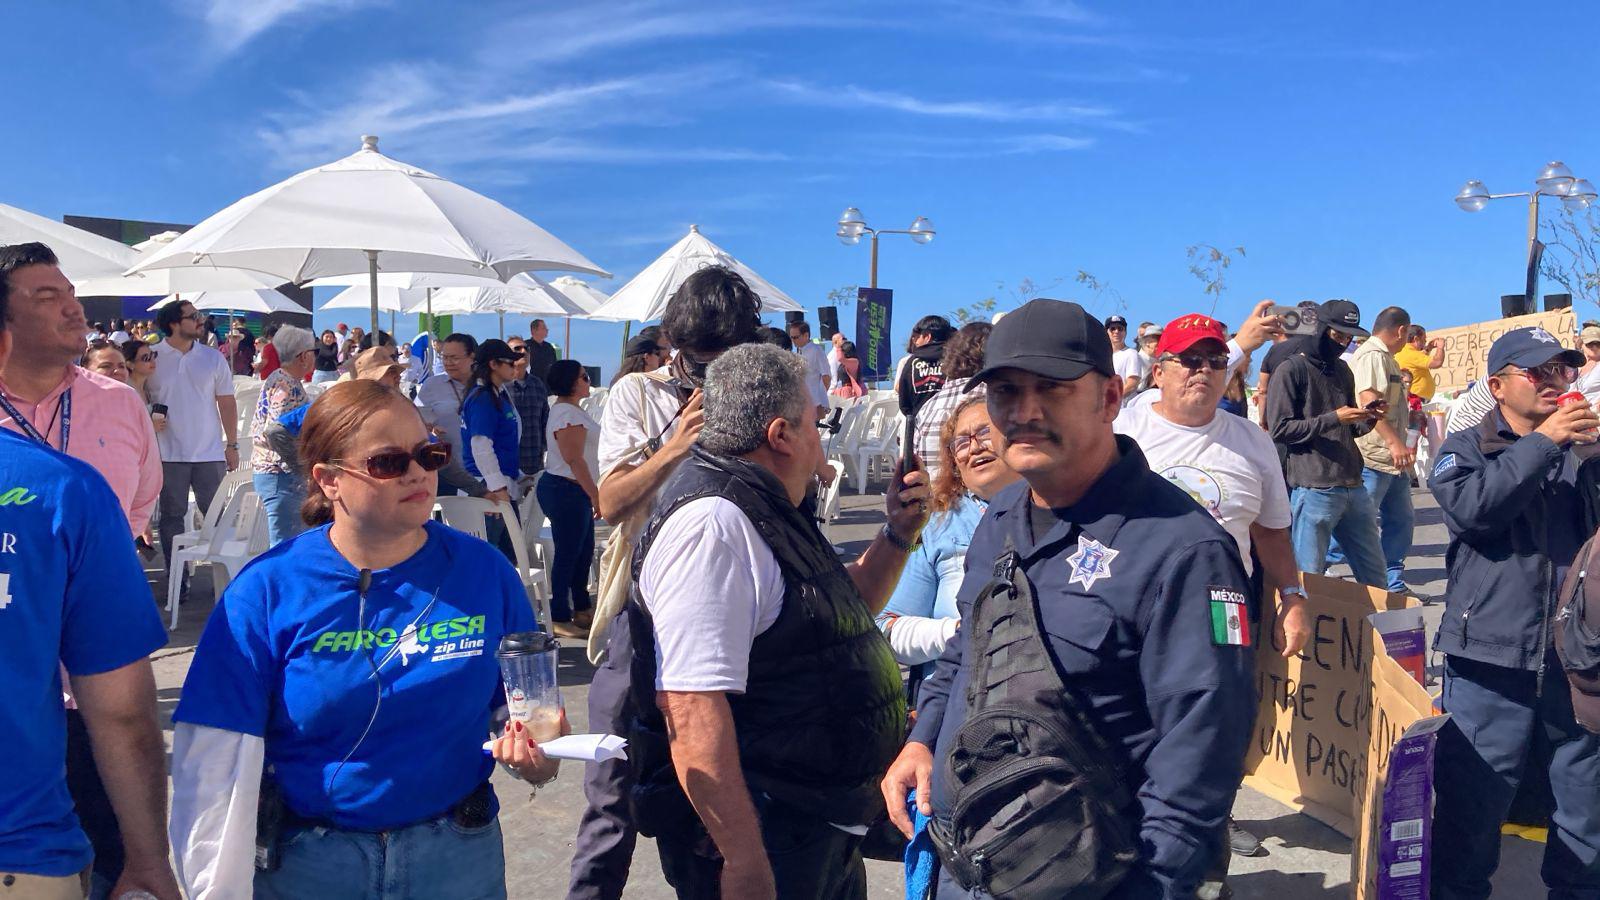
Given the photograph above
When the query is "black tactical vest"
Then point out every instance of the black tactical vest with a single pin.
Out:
(823, 712)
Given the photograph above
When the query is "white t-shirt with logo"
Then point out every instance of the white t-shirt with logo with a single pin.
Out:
(711, 585)
(189, 385)
(1228, 466)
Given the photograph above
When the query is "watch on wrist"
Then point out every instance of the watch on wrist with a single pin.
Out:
(1293, 590)
(231, 445)
(898, 541)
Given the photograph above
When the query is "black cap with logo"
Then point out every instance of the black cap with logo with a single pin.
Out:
(1341, 315)
(1050, 338)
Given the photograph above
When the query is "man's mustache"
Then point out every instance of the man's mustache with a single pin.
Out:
(1031, 433)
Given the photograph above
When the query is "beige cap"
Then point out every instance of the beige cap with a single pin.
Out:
(1589, 335)
(375, 362)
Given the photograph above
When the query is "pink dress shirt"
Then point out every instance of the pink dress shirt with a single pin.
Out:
(111, 431)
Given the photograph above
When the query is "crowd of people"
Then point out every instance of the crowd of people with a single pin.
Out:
(1036, 680)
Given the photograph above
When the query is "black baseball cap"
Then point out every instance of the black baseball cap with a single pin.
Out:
(1529, 348)
(1341, 315)
(494, 349)
(1050, 338)
(1117, 320)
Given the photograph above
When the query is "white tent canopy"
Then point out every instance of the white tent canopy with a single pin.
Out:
(83, 254)
(259, 301)
(368, 213)
(645, 297)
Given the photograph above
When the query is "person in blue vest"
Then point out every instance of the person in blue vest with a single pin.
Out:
(1514, 500)
(354, 665)
(70, 584)
(491, 428)
(1142, 603)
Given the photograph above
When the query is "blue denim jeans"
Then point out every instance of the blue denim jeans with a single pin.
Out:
(572, 526)
(436, 858)
(1320, 514)
(281, 494)
(1391, 496)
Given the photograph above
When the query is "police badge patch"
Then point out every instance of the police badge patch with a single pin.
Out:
(1091, 563)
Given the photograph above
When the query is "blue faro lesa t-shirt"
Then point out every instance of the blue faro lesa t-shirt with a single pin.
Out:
(284, 658)
(503, 426)
(73, 592)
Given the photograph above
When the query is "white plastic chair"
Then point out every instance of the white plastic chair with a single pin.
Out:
(224, 528)
(828, 495)
(536, 533)
(470, 515)
(230, 483)
(250, 539)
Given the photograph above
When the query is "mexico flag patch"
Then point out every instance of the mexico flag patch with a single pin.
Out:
(1230, 618)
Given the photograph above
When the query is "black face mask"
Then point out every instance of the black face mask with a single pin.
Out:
(1331, 348)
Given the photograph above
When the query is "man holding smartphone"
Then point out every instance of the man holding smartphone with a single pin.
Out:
(1312, 410)
(1385, 457)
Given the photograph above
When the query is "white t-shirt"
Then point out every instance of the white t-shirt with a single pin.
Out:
(566, 415)
(639, 407)
(816, 367)
(711, 585)
(1130, 363)
(1588, 384)
(1228, 466)
(189, 385)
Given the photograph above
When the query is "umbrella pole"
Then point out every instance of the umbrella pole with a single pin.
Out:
(502, 324)
(567, 347)
(372, 271)
(431, 336)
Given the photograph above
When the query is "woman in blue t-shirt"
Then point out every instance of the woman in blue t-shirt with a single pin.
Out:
(491, 429)
(354, 664)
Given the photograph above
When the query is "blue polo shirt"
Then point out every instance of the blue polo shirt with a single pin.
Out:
(503, 426)
(72, 591)
(284, 658)
(1127, 583)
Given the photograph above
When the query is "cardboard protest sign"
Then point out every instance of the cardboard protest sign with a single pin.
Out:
(1394, 806)
(1309, 746)
(1466, 347)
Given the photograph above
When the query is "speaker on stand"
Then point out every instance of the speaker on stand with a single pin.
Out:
(827, 322)
(1515, 305)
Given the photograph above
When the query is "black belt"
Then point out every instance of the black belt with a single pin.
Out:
(475, 810)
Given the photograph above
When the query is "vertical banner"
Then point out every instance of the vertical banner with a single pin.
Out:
(873, 306)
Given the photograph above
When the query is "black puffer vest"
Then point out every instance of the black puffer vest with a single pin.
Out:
(823, 712)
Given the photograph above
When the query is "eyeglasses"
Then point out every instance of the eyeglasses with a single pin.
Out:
(394, 463)
(1194, 362)
(962, 444)
(193, 317)
(1553, 372)
(146, 357)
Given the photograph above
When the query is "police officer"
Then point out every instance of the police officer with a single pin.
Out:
(1139, 594)
(1511, 492)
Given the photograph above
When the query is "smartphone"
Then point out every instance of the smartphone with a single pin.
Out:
(1296, 319)
(908, 448)
(1379, 405)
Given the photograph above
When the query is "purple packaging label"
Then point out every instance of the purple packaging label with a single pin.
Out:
(1411, 642)
(1405, 824)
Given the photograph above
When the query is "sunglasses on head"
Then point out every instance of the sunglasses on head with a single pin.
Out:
(1194, 362)
(392, 464)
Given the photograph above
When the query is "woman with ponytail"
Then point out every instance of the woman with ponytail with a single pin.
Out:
(491, 429)
(354, 665)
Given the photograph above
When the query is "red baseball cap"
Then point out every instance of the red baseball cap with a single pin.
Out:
(1185, 331)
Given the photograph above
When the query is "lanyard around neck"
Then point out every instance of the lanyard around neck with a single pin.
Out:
(63, 412)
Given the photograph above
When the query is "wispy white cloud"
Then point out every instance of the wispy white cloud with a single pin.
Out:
(896, 147)
(1064, 11)
(990, 110)
(586, 30)
(231, 24)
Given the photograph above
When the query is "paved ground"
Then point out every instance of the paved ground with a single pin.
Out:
(1304, 859)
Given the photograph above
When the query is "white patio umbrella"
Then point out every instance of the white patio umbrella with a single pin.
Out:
(525, 294)
(163, 282)
(582, 293)
(645, 297)
(368, 213)
(83, 254)
(259, 301)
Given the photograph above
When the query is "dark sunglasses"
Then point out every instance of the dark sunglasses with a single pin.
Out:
(146, 357)
(394, 463)
(1552, 372)
(1194, 362)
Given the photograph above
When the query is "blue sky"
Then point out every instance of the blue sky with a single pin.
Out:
(1042, 137)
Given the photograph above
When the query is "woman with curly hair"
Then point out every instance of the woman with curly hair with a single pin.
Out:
(921, 616)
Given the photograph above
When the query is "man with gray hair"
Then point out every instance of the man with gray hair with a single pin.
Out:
(768, 704)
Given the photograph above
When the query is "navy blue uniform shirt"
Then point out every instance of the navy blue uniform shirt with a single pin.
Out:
(1126, 581)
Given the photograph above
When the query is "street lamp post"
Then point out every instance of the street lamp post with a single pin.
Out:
(852, 226)
(1555, 180)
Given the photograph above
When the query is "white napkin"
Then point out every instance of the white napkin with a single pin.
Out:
(586, 747)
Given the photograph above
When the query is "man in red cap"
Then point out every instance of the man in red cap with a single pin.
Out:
(1228, 465)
